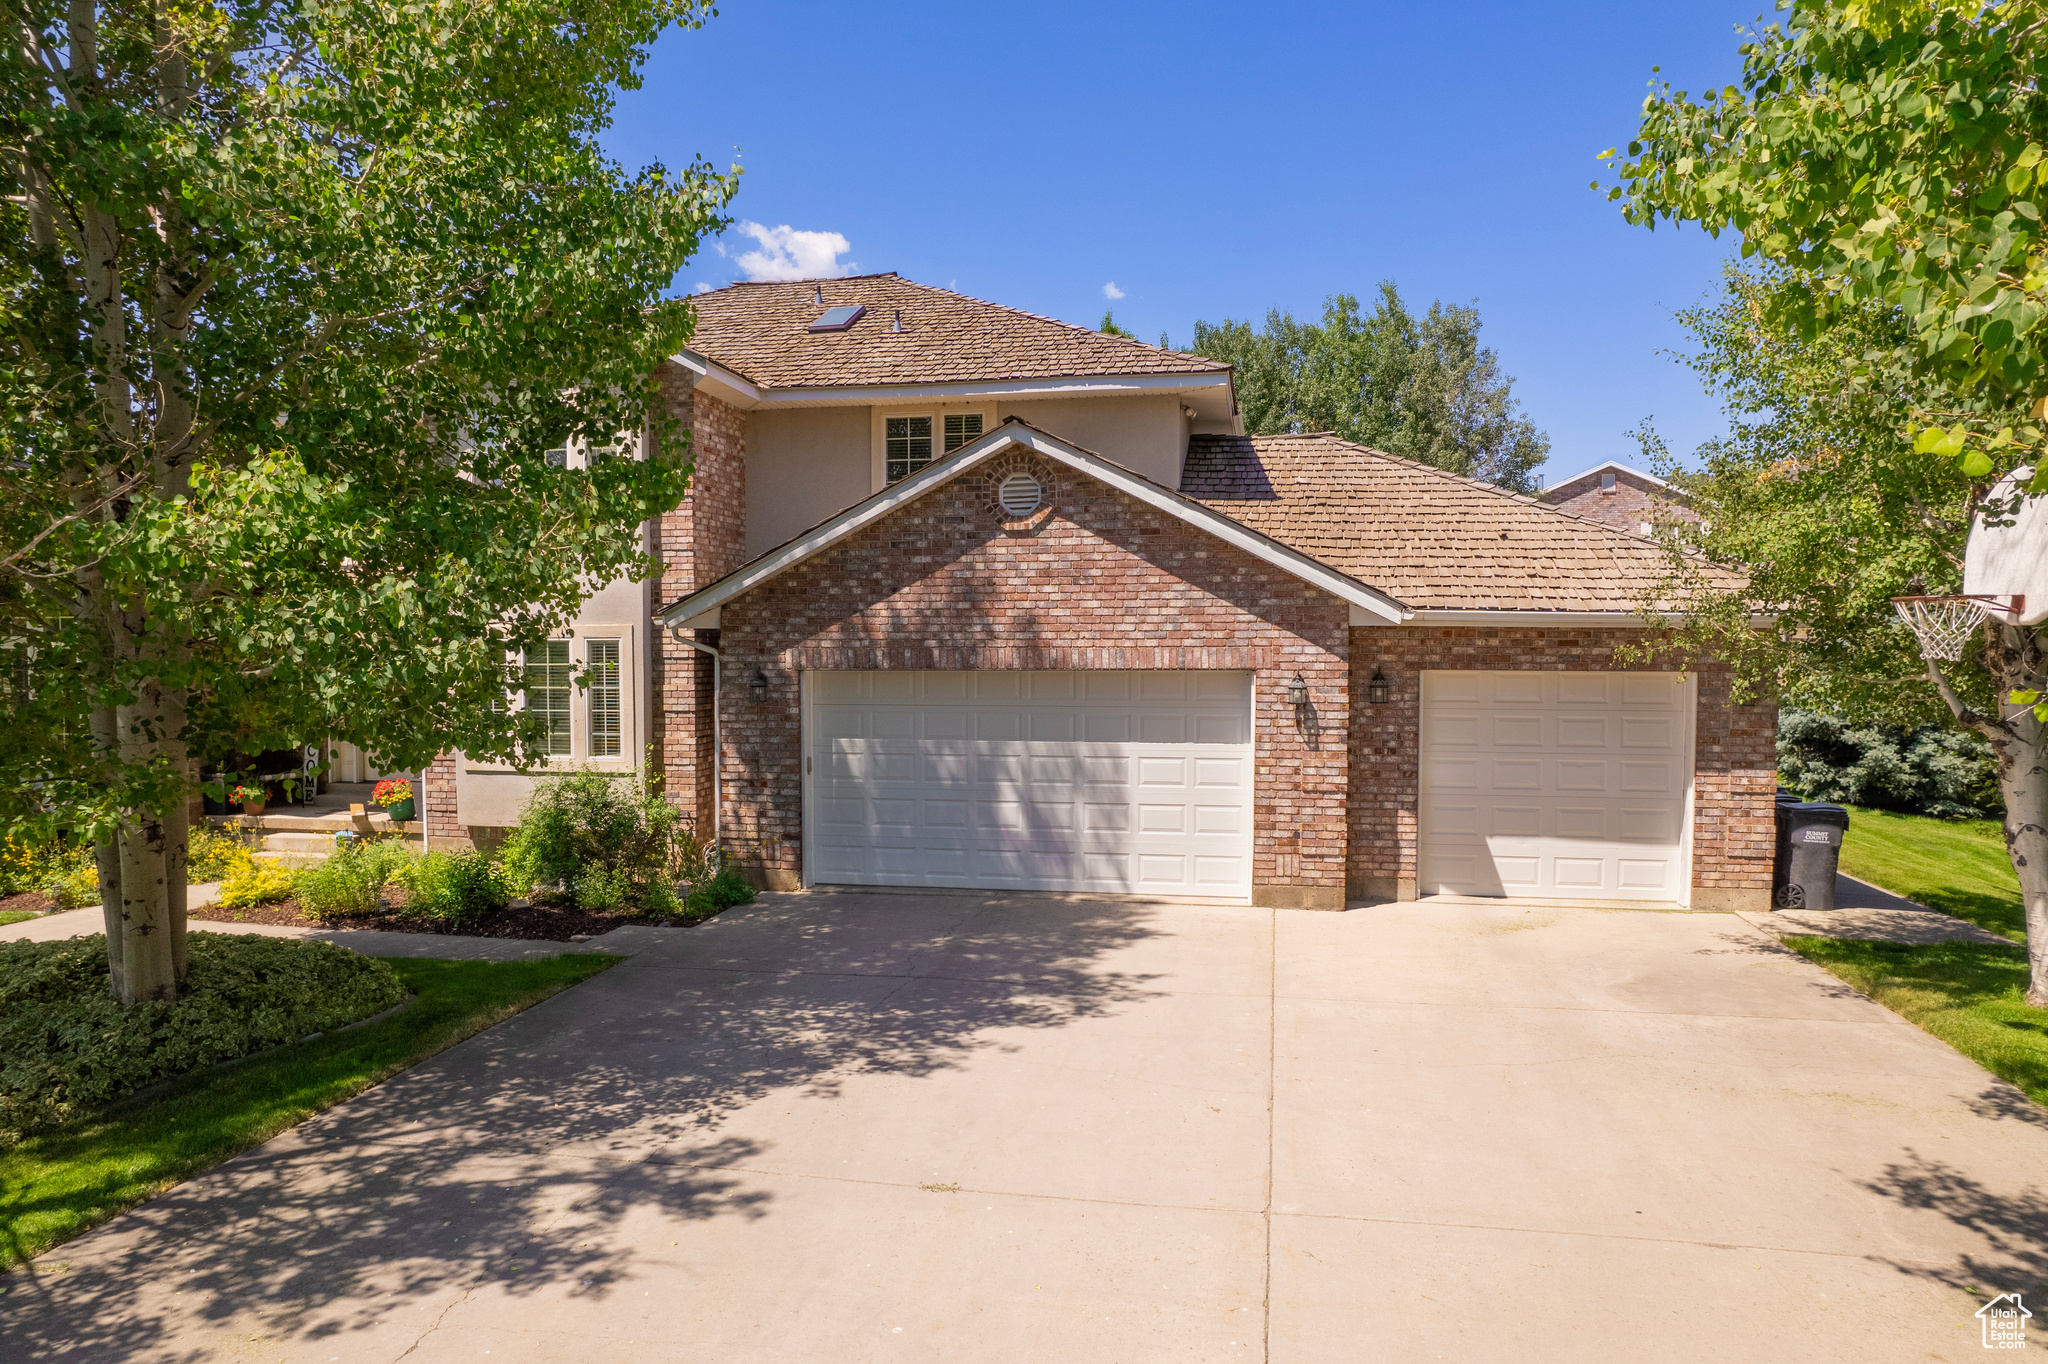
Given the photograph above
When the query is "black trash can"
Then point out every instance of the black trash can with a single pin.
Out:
(1809, 854)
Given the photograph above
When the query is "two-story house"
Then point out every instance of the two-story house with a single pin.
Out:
(963, 596)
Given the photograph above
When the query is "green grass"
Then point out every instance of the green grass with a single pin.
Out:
(1957, 866)
(1970, 995)
(57, 1185)
(15, 916)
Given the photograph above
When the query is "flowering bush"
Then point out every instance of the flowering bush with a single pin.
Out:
(392, 791)
(244, 794)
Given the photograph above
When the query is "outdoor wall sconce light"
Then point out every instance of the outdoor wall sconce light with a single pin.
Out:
(1297, 692)
(757, 686)
(1379, 691)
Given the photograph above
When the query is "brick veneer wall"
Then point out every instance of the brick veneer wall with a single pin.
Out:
(1097, 581)
(1632, 502)
(1734, 754)
(699, 542)
(437, 804)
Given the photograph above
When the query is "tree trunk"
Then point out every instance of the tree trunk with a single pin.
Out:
(104, 733)
(2023, 779)
(150, 939)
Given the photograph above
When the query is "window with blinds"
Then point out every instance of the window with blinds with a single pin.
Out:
(602, 656)
(961, 427)
(547, 693)
(907, 446)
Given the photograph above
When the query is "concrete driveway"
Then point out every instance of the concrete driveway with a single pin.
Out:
(871, 1127)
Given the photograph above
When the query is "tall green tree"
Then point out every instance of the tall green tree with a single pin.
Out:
(297, 296)
(1419, 387)
(1890, 153)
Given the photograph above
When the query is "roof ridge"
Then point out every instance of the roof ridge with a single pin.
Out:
(1062, 322)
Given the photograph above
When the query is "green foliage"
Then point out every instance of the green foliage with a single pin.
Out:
(294, 299)
(721, 892)
(1815, 499)
(215, 854)
(1110, 328)
(346, 885)
(613, 842)
(65, 1043)
(61, 1183)
(1940, 772)
(1894, 153)
(1970, 995)
(29, 865)
(453, 887)
(1422, 388)
(78, 887)
(261, 883)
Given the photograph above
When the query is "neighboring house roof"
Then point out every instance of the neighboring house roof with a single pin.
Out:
(1616, 467)
(1363, 598)
(1432, 539)
(760, 332)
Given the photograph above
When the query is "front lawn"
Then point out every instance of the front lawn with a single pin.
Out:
(1970, 995)
(54, 1186)
(15, 916)
(1957, 866)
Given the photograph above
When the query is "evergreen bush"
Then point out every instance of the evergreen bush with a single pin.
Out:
(1946, 773)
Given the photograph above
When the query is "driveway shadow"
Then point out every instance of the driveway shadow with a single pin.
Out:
(2012, 1227)
(517, 1159)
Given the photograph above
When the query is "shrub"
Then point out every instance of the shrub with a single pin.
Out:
(1946, 773)
(453, 887)
(723, 891)
(261, 883)
(45, 866)
(65, 1044)
(78, 887)
(215, 854)
(612, 842)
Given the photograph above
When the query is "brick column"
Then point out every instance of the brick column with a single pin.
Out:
(699, 542)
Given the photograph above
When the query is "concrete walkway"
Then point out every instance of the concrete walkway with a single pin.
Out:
(1873, 914)
(368, 941)
(865, 1127)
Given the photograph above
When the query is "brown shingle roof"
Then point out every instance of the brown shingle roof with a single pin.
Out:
(759, 332)
(1432, 539)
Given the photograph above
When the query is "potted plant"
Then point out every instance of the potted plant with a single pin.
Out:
(395, 795)
(250, 796)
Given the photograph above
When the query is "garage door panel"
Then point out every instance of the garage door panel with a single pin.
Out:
(1554, 784)
(1084, 781)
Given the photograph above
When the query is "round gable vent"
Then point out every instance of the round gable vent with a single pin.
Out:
(1019, 495)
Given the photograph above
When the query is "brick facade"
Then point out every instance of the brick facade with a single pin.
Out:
(1632, 502)
(1101, 581)
(1734, 754)
(699, 542)
(437, 804)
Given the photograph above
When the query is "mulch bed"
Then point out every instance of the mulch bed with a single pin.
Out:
(31, 901)
(541, 920)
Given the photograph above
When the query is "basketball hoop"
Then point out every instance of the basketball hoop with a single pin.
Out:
(1944, 625)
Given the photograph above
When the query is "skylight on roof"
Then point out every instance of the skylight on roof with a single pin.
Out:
(840, 318)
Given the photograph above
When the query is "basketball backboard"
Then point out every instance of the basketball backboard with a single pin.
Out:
(2011, 559)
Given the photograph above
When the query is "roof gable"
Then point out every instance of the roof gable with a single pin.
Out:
(1013, 433)
(761, 333)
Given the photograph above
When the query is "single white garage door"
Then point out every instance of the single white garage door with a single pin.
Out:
(1558, 785)
(1074, 781)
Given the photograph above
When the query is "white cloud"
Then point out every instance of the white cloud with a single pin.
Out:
(785, 253)
(1111, 292)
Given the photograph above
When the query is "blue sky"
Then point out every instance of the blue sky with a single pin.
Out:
(1214, 161)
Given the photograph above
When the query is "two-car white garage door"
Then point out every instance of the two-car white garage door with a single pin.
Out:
(1533, 784)
(1133, 782)
(1555, 785)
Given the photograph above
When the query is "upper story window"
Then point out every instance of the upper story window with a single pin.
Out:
(907, 446)
(547, 693)
(603, 657)
(1607, 482)
(558, 457)
(961, 427)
